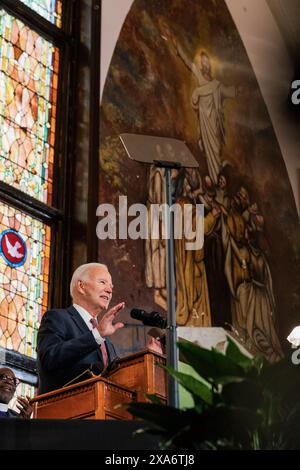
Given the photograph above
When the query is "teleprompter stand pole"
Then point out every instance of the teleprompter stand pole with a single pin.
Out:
(167, 153)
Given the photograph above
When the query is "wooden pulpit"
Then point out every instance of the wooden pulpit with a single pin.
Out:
(133, 377)
(142, 372)
(95, 398)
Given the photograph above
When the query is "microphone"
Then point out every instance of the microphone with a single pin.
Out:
(95, 370)
(149, 319)
(86, 374)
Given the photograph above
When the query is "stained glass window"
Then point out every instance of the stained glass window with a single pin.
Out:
(28, 94)
(24, 283)
(49, 9)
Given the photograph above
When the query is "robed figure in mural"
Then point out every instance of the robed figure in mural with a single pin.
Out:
(219, 294)
(250, 282)
(192, 299)
(155, 248)
(193, 307)
(207, 100)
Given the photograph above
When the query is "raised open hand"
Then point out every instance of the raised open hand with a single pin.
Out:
(24, 407)
(106, 326)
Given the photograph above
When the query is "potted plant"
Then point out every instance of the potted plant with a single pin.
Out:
(239, 403)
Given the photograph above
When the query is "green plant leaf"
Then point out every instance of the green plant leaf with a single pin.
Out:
(194, 386)
(162, 416)
(222, 380)
(246, 394)
(282, 379)
(292, 434)
(209, 364)
(229, 423)
(154, 399)
(235, 354)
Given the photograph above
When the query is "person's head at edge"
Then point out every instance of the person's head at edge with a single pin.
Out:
(7, 385)
(91, 287)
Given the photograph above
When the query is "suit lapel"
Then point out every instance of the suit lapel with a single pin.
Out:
(77, 319)
(80, 323)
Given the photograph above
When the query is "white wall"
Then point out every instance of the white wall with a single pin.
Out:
(114, 13)
(267, 54)
(274, 72)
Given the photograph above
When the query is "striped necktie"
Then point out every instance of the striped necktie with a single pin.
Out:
(102, 345)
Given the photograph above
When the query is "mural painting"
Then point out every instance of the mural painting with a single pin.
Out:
(180, 70)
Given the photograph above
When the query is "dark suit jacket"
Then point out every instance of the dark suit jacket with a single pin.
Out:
(65, 348)
(12, 414)
(9, 414)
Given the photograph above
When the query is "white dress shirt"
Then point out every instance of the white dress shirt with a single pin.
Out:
(86, 317)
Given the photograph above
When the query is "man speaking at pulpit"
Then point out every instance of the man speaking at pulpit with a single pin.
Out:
(70, 340)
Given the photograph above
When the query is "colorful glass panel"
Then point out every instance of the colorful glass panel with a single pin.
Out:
(28, 94)
(51, 10)
(23, 289)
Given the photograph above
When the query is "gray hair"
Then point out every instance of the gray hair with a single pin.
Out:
(80, 274)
